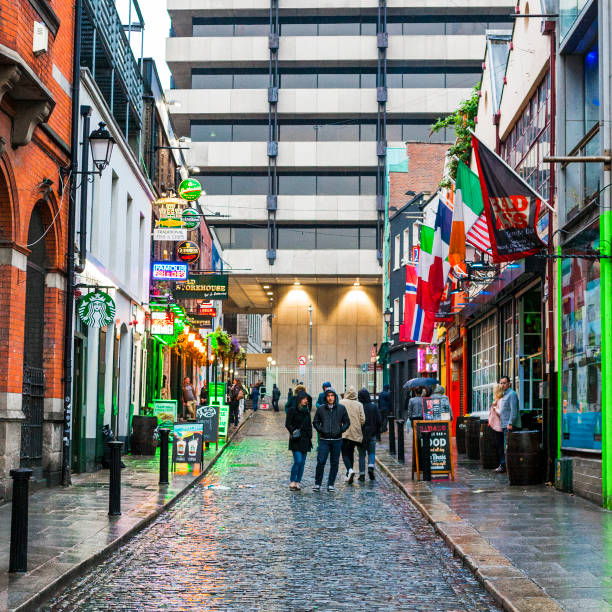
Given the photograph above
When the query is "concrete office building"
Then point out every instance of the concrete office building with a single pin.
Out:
(290, 107)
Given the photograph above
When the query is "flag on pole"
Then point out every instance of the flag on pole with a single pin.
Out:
(433, 259)
(468, 198)
(418, 325)
(511, 207)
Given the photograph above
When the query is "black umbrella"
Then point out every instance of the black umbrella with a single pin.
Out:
(420, 382)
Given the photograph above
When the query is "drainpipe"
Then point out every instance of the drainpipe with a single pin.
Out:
(69, 323)
(86, 114)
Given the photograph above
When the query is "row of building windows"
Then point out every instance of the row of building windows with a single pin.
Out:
(301, 238)
(258, 131)
(339, 78)
(344, 26)
(290, 184)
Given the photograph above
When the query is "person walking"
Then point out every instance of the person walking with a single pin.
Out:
(384, 406)
(321, 398)
(300, 387)
(204, 395)
(441, 404)
(275, 397)
(331, 420)
(290, 400)
(353, 436)
(495, 422)
(235, 395)
(299, 426)
(189, 398)
(509, 416)
(255, 396)
(371, 429)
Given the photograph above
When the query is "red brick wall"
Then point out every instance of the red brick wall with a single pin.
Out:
(425, 168)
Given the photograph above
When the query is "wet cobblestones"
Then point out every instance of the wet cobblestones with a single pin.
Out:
(243, 541)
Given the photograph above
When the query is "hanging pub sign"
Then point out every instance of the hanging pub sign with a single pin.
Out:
(170, 213)
(511, 207)
(169, 271)
(190, 189)
(162, 323)
(200, 321)
(207, 311)
(188, 251)
(204, 286)
(191, 219)
(173, 234)
(97, 309)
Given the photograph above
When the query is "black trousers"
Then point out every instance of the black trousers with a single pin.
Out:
(348, 453)
(234, 412)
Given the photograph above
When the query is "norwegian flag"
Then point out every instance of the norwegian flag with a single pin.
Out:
(418, 325)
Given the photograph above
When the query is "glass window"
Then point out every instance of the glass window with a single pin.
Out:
(466, 27)
(329, 28)
(499, 25)
(213, 29)
(216, 184)
(484, 364)
(251, 80)
(252, 29)
(421, 27)
(211, 81)
(249, 237)
(367, 238)
(337, 238)
(339, 80)
(581, 346)
(368, 29)
(367, 131)
(462, 79)
(368, 80)
(394, 28)
(297, 185)
(591, 88)
(223, 234)
(412, 80)
(296, 238)
(250, 184)
(342, 184)
(298, 29)
(367, 184)
(341, 131)
(298, 81)
(298, 132)
(394, 131)
(247, 132)
(394, 80)
(416, 132)
(209, 132)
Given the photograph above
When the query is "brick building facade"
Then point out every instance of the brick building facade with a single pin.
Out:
(35, 124)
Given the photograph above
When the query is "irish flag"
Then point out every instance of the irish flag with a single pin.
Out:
(433, 259)
(468, 200)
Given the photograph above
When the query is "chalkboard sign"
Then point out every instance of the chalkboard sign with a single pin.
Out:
(440, 455)
(208, 417)
(187, 444)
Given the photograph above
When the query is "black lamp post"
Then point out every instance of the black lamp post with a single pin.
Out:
(387, 317)
(102, 144)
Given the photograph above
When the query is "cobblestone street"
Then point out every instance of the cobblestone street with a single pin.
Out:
(241, 540)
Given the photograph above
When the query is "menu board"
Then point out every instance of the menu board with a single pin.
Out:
(440, 457)
(208, 418)
(187, 446)
(216, 392)
(223, 420)
(166, 412)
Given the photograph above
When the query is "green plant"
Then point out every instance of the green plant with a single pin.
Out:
(462, 121)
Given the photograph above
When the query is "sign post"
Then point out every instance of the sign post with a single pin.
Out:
(208, 417)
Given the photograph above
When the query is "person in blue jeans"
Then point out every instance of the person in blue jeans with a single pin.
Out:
(371, 429)
(331, 420)
(510, 416)
(255, 396)
(299, 426)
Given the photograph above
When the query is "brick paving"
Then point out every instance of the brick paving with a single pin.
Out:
(241, 540)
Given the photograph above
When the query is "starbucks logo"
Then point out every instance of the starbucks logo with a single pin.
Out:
(97, 309)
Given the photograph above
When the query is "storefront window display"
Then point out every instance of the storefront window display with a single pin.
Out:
(581, 347)
(484, 363)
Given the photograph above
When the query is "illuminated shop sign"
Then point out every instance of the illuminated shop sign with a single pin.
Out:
(169, 271)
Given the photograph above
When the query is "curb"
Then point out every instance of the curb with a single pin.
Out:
(48, 591)
(531, 592)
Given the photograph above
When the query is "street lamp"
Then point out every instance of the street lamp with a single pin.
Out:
(102, 144)
(310, 348)
(387, 318)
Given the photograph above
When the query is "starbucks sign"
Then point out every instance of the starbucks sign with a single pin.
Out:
(97, 309)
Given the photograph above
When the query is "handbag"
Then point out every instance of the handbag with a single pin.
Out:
(296, 433)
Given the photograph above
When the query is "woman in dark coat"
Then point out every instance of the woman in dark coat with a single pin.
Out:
(299, 426)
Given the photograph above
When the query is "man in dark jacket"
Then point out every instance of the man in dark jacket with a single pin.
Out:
(275, 397)
(321, 399)
(331, 421)
(371, 429)
(384, 405)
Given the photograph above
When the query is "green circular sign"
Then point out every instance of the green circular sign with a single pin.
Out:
(97, 309)
(190, 189)
(191, 219)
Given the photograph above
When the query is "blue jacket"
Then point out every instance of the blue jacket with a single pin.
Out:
(510, 414)
(384, 400)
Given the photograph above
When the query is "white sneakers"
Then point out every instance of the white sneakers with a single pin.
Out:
(350, 476)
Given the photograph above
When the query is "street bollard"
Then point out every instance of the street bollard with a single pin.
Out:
(391, 428)
(19, 520)
(400, 440)
(114, 492)
(425, 455)
(163, 456)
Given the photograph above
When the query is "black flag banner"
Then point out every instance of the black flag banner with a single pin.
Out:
(511, 207)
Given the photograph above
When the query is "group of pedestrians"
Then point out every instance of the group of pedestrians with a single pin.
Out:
(343, 425)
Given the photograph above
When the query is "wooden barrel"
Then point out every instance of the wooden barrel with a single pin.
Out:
(524, 458)
(472, 438)
(488, 450)
(460, 434)
(142, 440)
